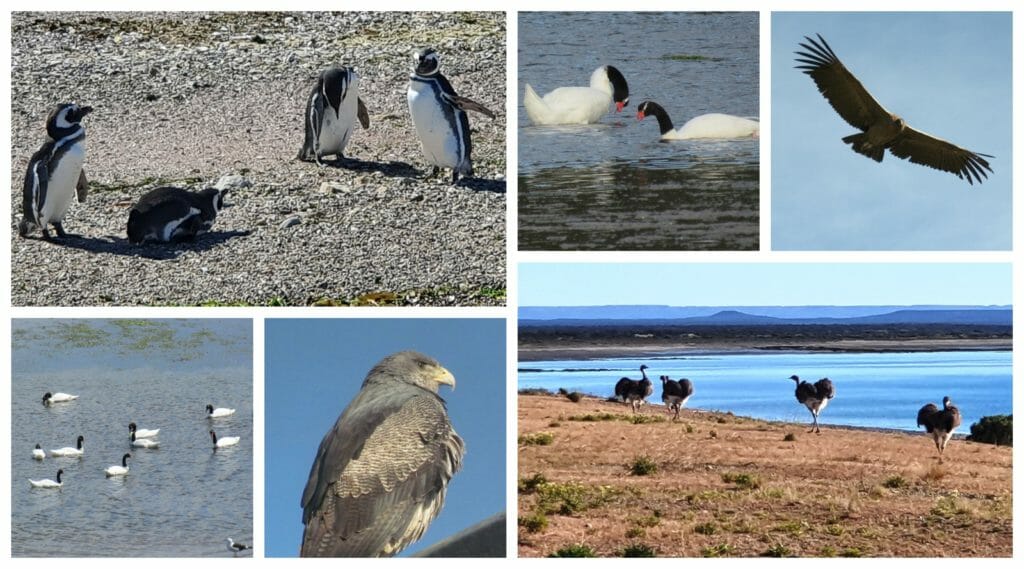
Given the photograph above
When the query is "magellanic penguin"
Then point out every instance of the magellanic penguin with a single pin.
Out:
(440, 116)
(55, 172)
(174, 214)
(331, 111)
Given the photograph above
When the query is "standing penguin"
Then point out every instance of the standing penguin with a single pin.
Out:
(174, 214)
(440, 116)
(331, 111)
(55, 172)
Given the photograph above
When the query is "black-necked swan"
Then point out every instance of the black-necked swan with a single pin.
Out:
(37, 453)
(51, 398)
(142, 433)
(144, 443)
(218, 412)
(713, 125)
(70, 451)
(119, 470)
(236, 547)
(47, 483)
(223, 441)
(579, 105)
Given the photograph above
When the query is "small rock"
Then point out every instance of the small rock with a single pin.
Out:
(232, 182)
(291, 221)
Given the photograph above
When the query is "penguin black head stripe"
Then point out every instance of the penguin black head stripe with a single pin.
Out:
(63, 118)
(427, 61)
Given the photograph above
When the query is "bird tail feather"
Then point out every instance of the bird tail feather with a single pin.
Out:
(862, 146)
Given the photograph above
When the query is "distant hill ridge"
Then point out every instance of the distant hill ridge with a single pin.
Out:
(764, 315)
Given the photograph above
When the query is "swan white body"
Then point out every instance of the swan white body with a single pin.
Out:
(38, 453)
(572, 105)
(142, 433)
(223, 441)
(218, 412)
(144, 443)
(47, 483)
(51, 398)
(715, 125)
(70, 451)
(118, 469)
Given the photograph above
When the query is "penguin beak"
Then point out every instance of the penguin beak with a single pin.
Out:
(82, 111)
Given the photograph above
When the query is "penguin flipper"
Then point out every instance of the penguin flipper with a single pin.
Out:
(362, 113)
(82, 188)
(310, 151)
(467, 104)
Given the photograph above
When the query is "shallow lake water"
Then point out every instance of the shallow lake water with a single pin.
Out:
(182, 499)
(613, 185)
(872, 390)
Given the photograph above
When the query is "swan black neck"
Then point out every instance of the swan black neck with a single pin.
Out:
(59, 473)
(209, 409)
(81, 439)
(124, 459)
(652, 108)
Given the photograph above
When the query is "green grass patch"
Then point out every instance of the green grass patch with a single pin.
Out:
(835, 530)
(595, 417)
(777, 550)
(643, 419)
(574, 550)
(851, 552)
(572, 498)
(539, 439)
(792, 527)
(895, 482)
(742, 480)
(530, 485)
(718, 550)
(707, 528)
(638, 550)
(642, 466)
(534, 523)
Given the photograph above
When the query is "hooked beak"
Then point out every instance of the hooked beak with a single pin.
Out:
(444, 376)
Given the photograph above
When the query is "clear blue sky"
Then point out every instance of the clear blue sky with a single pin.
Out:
(763, 284)
(314, 367)
(946, 74)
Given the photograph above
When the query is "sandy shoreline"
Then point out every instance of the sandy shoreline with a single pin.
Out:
(595, 351)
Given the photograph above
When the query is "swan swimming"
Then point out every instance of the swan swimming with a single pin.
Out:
(119, 470)
(713, 125)
(51, 398)
(142, 433)
(236, 547)
(223, 441)
(47, 483)
(579, 105)
(38, 453)
(70, 451)
(218, 412)
(144, 443)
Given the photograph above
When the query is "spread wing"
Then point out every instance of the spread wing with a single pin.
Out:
(380, 475)
(925, 414)
(842, 90)
(927, 150)
(362, 113)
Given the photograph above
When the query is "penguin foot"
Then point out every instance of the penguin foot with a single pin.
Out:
(23, 228)
(59, 228)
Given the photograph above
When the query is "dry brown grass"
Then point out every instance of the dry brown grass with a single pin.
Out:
(748, 492)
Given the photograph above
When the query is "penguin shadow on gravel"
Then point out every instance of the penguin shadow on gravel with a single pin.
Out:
(113, 245)
(391, 169)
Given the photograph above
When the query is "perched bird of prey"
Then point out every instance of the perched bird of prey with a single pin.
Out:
(381, 473)
(882, 129)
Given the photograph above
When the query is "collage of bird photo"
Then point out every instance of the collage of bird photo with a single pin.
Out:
(510, 281)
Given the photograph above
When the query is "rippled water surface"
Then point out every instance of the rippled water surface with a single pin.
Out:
(613, 185)
(180, 500)
(872, 390)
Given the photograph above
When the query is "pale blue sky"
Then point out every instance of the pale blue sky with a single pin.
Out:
(763, 284)
(946, 74)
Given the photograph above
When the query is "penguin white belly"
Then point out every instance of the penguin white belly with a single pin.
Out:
(60, 188)
(173, 228)
(336, 129)
(439, 138)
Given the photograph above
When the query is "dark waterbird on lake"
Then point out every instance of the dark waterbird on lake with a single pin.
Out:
(634, 391)
(940, 423)
(675, 393)
(815, 397)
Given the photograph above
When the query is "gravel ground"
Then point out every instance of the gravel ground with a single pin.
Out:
(187, 98)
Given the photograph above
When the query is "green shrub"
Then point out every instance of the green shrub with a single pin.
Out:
(534, 522)
(529, 485)
(720, 550)
(574, 550)
(742, 480)
(994, 429)
(641, 419)
(638, 550)
(534, 391)
(777, 550)
(575, 396)
(851, 552)
(541, 439)
(895, 482)
(642, 466)
(571, 498)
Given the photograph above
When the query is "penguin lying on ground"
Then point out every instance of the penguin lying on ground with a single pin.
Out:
(331, 111)
(173, 214)
(55, 172)
(440, 116)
